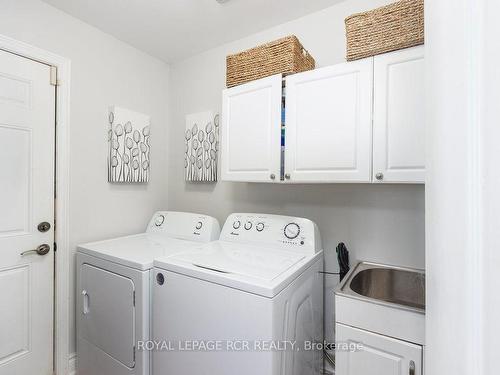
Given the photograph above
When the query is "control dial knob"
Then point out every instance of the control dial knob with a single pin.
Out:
(259, 227)
(237, 224)
(159, 220)
(248, 225)
(199, 224)
(292, 230)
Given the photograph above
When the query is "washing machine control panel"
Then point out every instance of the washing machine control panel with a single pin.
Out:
(185, 225)
(272, 230)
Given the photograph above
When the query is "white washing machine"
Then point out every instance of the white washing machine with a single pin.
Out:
(225, 308)
(113, 291)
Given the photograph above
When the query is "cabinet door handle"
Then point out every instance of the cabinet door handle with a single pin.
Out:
(411, 370)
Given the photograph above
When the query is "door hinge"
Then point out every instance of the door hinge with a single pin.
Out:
(55, 246)
(133, 298)
(53, 75)
(134, 355)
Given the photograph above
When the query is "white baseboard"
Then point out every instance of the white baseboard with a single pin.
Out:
(72, 364)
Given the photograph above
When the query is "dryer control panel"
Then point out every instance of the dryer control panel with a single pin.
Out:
(276, 231)
(185, 225)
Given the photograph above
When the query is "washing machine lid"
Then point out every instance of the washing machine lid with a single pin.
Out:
(244, 260)
(136, 251)
(255, 269)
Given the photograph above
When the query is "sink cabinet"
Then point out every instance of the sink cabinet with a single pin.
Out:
(378, 355)
(360, 121)
(382, 308)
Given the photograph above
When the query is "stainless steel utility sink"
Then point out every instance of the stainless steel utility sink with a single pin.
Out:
(395, 286)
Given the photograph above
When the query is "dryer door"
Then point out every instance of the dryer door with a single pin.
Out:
(108, 313)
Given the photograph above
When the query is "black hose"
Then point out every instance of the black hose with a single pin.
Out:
(343, 259)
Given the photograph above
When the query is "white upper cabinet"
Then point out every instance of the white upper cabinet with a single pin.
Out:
(329, 124)
(361, 121)
(398, 117)
(251, 131)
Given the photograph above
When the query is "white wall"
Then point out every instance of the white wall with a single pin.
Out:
(105, 71)
(378, 223)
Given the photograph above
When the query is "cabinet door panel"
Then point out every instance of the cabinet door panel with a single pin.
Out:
(251, 131)
(328, 124)
(378, 355)
(398, 122)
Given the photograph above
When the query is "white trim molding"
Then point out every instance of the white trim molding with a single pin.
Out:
(72, 364)
(61, 316)
(462, 200)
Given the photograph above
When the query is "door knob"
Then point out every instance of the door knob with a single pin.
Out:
(43, 227)
(379, 176)
(40, 250)
(287, 176)
(272, 176)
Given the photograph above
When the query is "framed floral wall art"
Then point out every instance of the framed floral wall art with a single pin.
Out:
(129, 146)
(201, 146)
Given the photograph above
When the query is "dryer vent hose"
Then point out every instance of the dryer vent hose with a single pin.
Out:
(343, 259)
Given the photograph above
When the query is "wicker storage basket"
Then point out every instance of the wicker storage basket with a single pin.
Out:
(389, 28)
(284, 55)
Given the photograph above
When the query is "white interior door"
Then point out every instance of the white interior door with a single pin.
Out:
(27, 132)
(251, 131)
(328, 124)
(378, 355)
(398, 117)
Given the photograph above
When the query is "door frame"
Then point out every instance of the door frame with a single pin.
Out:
(61, 256)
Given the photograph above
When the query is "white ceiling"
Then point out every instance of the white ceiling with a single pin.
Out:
(174, 29)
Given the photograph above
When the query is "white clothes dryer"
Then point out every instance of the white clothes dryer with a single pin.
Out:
(113, 291)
